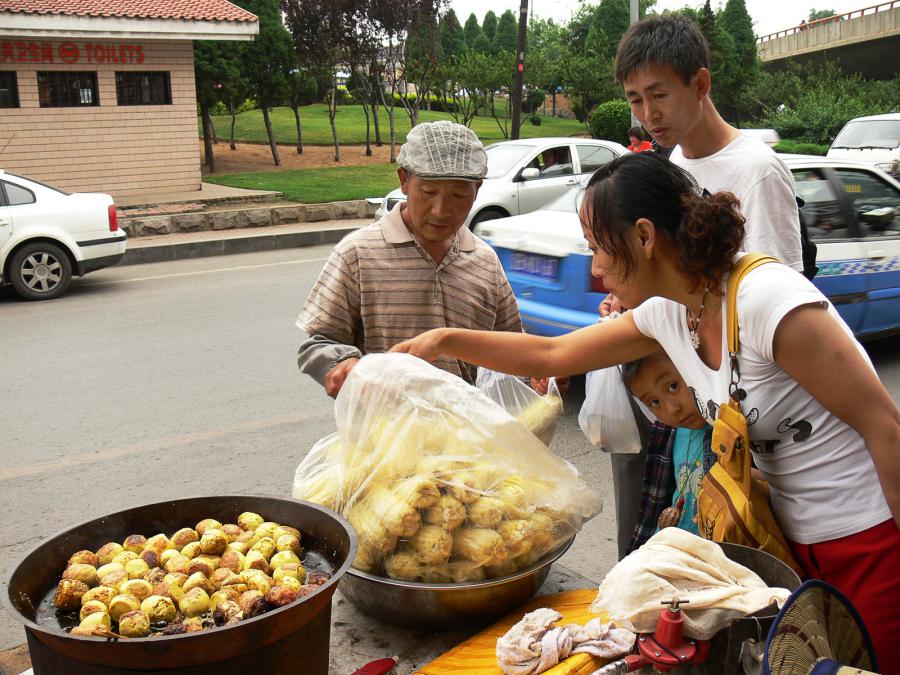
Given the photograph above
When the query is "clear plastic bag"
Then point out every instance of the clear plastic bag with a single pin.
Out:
(606, 417)
(538, 413)
(440, 482)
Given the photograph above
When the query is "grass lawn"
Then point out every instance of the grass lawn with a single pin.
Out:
(351, 125)
(315, 186)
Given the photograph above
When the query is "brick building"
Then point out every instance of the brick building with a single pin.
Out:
(98, 95)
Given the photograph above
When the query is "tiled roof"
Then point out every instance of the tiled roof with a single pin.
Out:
(190, 10)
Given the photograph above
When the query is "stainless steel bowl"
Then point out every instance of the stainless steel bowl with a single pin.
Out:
(409, 603)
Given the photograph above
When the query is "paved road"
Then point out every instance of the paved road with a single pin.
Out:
(152, 382)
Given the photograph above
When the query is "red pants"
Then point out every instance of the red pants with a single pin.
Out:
(865, 567)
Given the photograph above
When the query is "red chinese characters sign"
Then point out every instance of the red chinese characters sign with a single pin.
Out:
(19, 51)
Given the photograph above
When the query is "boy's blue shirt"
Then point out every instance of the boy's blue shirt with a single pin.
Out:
(659, 479)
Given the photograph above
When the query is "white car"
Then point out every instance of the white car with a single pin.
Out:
(47, 236)
(525, 174)
(874, 139)
(852, 212)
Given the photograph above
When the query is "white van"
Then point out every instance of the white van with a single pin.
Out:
(874, 140)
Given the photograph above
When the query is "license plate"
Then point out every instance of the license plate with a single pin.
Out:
(537, 265)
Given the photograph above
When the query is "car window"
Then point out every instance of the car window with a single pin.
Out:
(869, 134)
(821, 209)
(592, 157)
(875, 202)
(502, 157)
(16, 195)
(553, 162)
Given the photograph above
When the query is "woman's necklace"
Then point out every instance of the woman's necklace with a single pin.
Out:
(694, 323)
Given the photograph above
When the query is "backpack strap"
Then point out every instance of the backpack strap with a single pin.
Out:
(740, 269)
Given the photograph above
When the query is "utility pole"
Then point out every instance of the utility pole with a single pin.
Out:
(515, 99)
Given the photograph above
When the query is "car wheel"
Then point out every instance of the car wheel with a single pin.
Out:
(487, 214)
(40, 271)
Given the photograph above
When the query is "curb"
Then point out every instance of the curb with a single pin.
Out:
(163, 252)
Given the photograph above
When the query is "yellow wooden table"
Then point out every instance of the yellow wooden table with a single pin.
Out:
(478, 654)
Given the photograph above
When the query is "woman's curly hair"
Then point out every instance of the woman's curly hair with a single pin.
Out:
(706, 230)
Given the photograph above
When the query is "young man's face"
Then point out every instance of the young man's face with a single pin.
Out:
(436, 209)
(660, 387)
(667, 107)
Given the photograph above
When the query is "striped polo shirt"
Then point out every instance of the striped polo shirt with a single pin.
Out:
(380, 287)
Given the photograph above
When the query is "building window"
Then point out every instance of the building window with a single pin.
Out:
(9, 90)
(67, 89)
(150, 88)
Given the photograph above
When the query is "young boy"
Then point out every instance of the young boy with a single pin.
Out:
(678, 452)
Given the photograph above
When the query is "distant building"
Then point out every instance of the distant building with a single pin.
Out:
(98, 95)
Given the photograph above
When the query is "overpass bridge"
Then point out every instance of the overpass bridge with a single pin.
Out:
(865, 40)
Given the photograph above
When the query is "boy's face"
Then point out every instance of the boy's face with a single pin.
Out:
(659, 387)
(661, 101)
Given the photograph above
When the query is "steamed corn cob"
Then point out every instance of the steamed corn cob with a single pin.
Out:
(431, 545)
(479, 545)
(516, 535)
(486, 512)
(448, 512)
(540, 415)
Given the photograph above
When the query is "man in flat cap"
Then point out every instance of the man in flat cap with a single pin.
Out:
(415, 269)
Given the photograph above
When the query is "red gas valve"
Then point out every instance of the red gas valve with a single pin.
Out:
(665, 649)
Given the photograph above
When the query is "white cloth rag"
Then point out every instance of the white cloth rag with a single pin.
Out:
(536, 644)
(677, 564)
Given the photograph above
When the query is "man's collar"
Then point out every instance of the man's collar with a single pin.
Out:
(396, 232)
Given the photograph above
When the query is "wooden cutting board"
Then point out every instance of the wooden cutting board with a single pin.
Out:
(478, 654)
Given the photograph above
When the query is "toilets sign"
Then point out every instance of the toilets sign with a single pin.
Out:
(19, 51)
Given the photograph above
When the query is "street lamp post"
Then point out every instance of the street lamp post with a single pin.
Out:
(516, 93)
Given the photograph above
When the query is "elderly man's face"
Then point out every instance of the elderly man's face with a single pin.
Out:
(435, 209)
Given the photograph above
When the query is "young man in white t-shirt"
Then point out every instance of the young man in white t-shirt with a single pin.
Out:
(663, 64)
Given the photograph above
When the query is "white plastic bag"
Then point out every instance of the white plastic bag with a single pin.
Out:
(538, 413)
(606, 416)
(440, 482)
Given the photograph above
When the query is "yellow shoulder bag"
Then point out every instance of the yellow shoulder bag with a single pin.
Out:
(732, 506)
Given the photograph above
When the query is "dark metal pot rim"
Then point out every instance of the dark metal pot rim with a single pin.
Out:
(546, 561)
(218, 630)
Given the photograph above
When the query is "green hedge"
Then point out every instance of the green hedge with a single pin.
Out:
(610, 121)
(801, 148)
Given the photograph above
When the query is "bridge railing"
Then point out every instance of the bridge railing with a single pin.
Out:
(812, 25)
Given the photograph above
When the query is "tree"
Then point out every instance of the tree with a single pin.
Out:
(453, 43)
(471, 30)
(544, 69)
(482, 45)
(421, 55)
(489, 27)
(816, 14)
(213, 61)
(302, 91)
(723, 63)
(735, 21)
(320, 30)
(268, 61)
(507, 36)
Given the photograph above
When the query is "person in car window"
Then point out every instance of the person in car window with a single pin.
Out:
(417, 268)
(824, 431)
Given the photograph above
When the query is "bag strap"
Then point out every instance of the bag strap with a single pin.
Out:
(740, 269)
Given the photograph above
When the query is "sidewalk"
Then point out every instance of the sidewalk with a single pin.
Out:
(180, 245)
(220, 220)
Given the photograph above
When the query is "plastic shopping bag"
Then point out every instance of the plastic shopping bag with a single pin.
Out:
(440, 482)
(606, 416)
(538, 413)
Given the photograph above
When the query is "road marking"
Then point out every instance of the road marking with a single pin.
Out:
(155, 445)
(200, 272)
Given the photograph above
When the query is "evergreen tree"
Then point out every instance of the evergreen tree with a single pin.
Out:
(816, 14)
(736, 21)
(482, 45)
(722, 56)
(507, 37)
(613, 17)
(452, 41)
(471, 31)
(489, 27)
